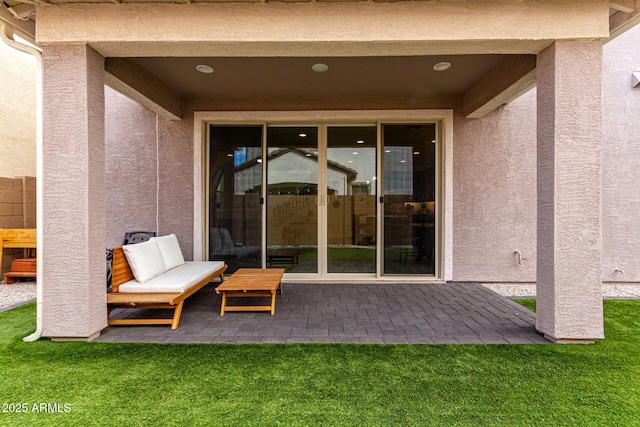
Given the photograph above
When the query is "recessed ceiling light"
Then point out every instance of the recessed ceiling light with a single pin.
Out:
(350, 161)
(302, 135)
(387, 151)
(229, 154)
(259, 160)
(308, 154)
(403, 161)
(416, 152)
(433, 141)
(355, 153)
(360, 141)
(204, 69)
(441, 66)
(319, 67)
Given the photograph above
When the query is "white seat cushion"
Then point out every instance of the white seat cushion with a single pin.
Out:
(177, 279)
(170, 250)
(145, 260)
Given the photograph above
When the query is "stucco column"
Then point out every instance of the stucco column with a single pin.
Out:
(73, 244)
(569, 283)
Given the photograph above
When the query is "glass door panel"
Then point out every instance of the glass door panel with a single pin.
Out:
(409, 162)
(235, 213)
(292, 198)
(351, 199)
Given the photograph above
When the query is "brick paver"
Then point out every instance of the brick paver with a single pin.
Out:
(454, 313)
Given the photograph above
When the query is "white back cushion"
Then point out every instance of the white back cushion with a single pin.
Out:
(170, 250)
(145, 260)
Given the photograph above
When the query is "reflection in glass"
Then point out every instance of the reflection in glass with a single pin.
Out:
(234, 199)
(410, 213)
(292, 198)
(351, 199)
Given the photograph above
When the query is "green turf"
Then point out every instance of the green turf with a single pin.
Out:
(341, 254)
(323, 384)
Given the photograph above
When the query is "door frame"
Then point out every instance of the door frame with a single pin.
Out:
(202, 119)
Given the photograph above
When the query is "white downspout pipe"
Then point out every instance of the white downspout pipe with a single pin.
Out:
(7, 37)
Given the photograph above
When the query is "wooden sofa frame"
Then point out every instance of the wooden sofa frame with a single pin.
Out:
(121, 273)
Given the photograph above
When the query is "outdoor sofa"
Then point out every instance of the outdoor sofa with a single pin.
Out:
(154, 275)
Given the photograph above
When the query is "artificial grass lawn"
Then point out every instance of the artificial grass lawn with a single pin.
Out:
(341, 254)
(323, 384)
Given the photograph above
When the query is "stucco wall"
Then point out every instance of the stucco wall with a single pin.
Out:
(497, 155)
(142, 151)
(130, 167)
(621, 160)
(494, 194)
(175, 213)
(18, 118)
(71, 258)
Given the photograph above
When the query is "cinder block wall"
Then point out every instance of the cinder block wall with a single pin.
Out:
(17, 210)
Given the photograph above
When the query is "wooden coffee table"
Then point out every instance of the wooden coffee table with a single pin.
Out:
(251, 282)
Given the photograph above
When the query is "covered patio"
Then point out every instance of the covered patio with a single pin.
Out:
(410, 313)
(107, 166)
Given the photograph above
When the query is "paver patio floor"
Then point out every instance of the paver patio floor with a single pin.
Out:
(404, 313)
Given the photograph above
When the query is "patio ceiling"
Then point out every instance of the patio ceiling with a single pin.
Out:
(293, 77)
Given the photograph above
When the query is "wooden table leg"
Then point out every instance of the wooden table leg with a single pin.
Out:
(273, 302)
(224, 303)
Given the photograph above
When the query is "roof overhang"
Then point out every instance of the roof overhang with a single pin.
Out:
(306, 29)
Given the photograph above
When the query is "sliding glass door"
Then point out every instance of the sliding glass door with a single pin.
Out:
(321, 199)
(292, 198)
(410, 211)
(351, 199)
(325, 200)
(235, 181)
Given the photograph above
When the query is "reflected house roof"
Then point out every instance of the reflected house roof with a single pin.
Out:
(292, 186)
(351, 174)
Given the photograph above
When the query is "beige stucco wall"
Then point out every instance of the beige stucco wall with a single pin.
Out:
(175, 213)
(569, 180)
(497, 155)
(621, 160)
(71, 262)
(322, 28)
(143, 150)
(494, 194)
(17, 113)
(130, 167)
